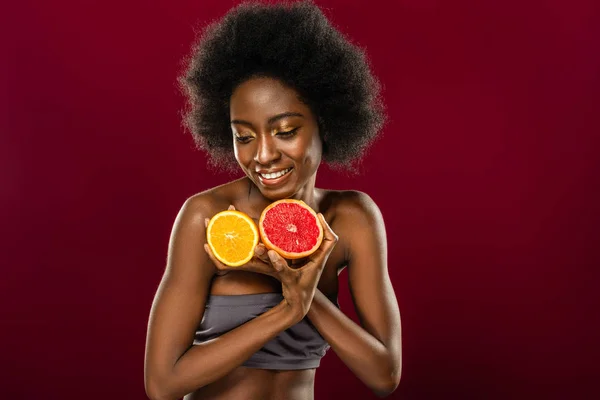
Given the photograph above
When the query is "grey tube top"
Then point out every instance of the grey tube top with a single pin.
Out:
(299, 347)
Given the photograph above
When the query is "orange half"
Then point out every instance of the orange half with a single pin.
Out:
(232, 236)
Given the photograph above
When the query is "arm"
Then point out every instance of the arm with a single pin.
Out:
(173, 367)
(373, 350)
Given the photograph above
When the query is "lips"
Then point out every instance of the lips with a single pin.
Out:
(274, 174)
(274, 177)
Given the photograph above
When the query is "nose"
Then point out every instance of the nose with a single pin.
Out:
(266, 150)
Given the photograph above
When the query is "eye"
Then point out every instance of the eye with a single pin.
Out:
(243, 139)
(287, 134)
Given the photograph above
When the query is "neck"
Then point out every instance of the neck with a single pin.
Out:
(308, 193)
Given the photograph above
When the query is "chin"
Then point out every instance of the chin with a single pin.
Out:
(284, 191)
(276, 194)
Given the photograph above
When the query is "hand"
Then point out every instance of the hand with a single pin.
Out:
(298, 284)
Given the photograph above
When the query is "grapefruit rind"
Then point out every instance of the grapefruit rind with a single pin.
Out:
(216, 252)
(285, 254)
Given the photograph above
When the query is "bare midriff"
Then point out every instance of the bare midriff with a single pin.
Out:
(242, 282)
(259, 384)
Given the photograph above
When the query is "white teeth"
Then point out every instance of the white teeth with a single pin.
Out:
(276, 174)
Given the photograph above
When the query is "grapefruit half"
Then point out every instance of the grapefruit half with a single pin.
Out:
(291, 228)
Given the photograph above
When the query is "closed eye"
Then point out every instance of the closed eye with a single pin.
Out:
(243, 139)
(287, 134)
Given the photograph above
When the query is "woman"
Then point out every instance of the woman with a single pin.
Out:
(289, 91)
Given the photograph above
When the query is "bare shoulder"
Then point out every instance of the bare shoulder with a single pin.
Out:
(350, 206)
(211, 201)
(354, 216)
(186, 257)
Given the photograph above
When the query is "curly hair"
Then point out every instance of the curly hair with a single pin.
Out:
(296, 44)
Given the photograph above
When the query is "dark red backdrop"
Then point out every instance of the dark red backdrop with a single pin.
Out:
(487, 175)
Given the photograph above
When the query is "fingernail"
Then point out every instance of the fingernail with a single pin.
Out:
(272, 256)
(260, 250)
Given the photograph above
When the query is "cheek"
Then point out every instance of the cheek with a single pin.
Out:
(241, 154)
(236, 153)
(305, 151)
(239, 151)
(314, 150)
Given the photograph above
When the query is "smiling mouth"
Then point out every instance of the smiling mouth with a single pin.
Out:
(275, 175)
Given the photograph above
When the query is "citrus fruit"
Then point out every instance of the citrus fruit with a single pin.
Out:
(232, 237)
(291, 228)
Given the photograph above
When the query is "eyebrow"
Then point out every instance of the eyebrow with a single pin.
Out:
(271, 120)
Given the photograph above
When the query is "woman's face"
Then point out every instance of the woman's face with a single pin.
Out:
(276, 137)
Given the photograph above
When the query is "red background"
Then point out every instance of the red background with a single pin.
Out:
(487, 177)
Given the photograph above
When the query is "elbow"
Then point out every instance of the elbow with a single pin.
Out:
(389, 385)
(155, 390)
(386, 390)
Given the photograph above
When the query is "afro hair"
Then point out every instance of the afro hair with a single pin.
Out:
(296, 44)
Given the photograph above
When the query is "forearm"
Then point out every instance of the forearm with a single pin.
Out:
(207, 362)
(365, 355)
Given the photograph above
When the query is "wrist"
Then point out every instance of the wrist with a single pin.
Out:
(292, 315)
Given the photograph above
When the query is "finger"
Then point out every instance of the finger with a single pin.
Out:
(278, 262)
(322, 253)
(330, 239)
(328, 233)
(317, 260)
(260, 251)
(220, 266)
(259, 266)
(206, 221)
(231, 207)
